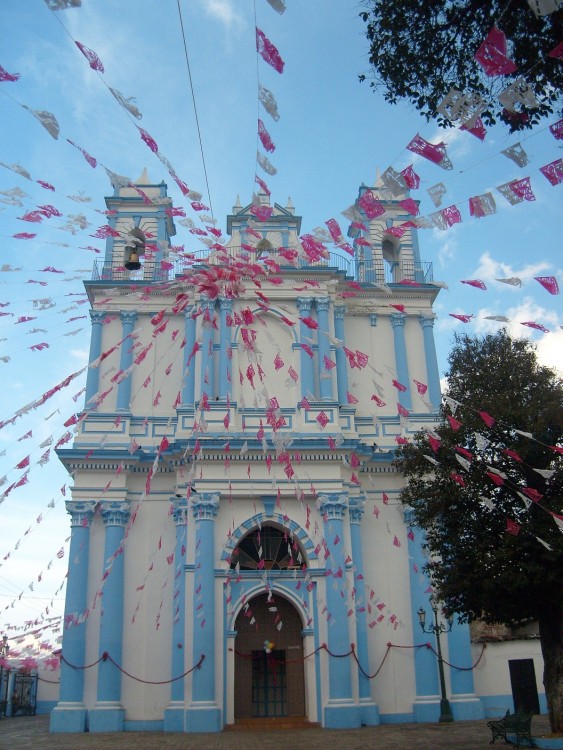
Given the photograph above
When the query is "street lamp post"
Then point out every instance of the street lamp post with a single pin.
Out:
(438, 628)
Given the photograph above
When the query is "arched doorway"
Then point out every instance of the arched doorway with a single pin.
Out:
(269, 684)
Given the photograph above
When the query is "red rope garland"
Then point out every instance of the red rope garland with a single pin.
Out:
(352, 652)
(106, 657)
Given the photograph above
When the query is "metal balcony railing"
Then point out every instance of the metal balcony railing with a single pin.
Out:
(366, 272)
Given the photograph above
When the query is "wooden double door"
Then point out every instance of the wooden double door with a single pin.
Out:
(269, 679)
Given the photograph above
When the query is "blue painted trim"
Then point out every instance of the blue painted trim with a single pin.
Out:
(44, 707)
(396, 718)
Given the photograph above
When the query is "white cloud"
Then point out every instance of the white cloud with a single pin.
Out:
(80, 354)
(223, 11)
(490, 269)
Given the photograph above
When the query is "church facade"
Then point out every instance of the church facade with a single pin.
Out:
(238, 547)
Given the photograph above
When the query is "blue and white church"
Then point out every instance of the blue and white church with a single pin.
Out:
(238, 549)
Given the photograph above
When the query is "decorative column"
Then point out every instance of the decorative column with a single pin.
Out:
(108, 713)
(307, 376)
(401, 362)
(340, 711)
(432, 372)
(128, 319)
(463, 701)
(426, 706)
(207, 369)
(174, 713)
(69, 715)
(188, 388)
(341, 363)
(203, 714)
(93, 376)
(226, 307)
(323, 348)
(369, 713)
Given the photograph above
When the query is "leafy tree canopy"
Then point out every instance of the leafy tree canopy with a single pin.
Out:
(419, 50)
(483, 478)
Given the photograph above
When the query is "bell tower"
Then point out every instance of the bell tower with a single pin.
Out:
(139, 216)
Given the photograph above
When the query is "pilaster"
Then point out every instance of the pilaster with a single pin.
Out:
(304, 305)
(226, 307)
(207, 353)
(401, 361)
(128, 319)
(432, 372)
(70, 713)
(341, 363)
(204, 714)
(369, 712)
(93, 375)
(188, 388)
(108, 713)
(174, 713)
(323, 348)
(340, 711)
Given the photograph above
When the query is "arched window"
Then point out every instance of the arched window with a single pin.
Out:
(267, 548)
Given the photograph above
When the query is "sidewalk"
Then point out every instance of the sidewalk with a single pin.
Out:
(32, 733)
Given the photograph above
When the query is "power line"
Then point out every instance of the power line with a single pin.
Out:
(195, 106)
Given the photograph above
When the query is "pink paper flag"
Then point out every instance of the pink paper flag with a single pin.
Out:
(549, 283)
(553, 171)
(491, 55)
(5, 76)
(478, 129)
(411, 178)
(487, 419)
(93, 59)
(557, 129)
(268, 51)
(410, 206)
(149, 140)
(477, 283)
(371, 205)
(334, 229)
(435, 153)
(265, 137)
(463, 318)
(523, 189)
(536, 326)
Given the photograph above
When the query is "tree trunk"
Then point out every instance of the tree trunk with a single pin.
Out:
(551, 639)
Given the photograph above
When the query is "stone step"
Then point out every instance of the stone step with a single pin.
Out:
(278, 722)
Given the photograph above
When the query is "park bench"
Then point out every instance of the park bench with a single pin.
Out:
(519, 724)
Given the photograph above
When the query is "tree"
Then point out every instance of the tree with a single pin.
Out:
(487, 490)
(419, 50)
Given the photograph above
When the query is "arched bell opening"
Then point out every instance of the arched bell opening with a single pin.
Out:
(269, 674)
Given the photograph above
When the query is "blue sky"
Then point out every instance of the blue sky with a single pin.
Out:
(332, 135)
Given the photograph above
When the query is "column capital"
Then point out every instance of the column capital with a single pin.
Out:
(398, 319)
(322, 303)
(81, 512)
(128, 317)
(339, 311)
(189, 311)
(304, 304)
(205, 505)
(333, 506)
(115, 512)
(226, 303)
(97, 316)
(426, 321)
(180, 510)
(207, 304)
(356, 506)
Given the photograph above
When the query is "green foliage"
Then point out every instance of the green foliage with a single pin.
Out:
(479, 569)
(419, 50)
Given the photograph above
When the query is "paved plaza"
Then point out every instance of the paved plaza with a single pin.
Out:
(32, 733)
